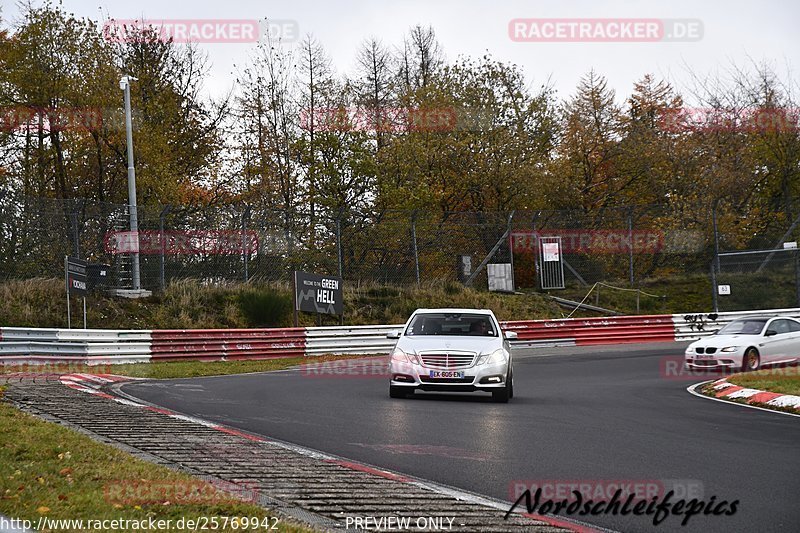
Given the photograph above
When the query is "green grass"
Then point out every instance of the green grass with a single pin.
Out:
(49, 470)
(781, 380)
(182, 369)
(677, 295)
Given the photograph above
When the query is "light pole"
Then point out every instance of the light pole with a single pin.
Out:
(125, 85)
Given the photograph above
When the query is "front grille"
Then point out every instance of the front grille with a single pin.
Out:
(447, 360)
(710, 350)
(700, 349)
(705, 362)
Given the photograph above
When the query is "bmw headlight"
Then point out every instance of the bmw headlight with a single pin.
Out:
(496, 357)
(729, 349)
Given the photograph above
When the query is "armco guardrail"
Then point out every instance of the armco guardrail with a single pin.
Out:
(341, 340)
(584, 331)
(36, 345)
(227, 344)
(692, 326)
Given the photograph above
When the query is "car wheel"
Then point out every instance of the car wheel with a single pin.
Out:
(751, 360)
(502, 395)
(398, 392)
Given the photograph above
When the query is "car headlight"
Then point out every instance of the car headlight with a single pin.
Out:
(496, 357)
(400, 356)
(729, 349)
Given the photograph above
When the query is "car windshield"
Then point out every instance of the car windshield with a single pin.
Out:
(744, 327)
(456, 324)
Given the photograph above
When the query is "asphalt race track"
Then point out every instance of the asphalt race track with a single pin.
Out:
(581, 414)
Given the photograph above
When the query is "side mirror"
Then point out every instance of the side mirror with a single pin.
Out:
(511, 335)
(770, 333)
(393, 335)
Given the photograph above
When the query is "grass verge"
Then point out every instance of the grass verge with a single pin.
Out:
(780, 380)
(47, 470)
(179, 369)
(784, 380)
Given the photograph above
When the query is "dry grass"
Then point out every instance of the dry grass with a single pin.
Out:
(192, 304)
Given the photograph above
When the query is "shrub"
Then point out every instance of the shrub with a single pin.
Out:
(265, 307)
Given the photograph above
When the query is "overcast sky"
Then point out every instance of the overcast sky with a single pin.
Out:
(731, 31)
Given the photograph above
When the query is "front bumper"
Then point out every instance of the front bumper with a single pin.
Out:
(718, 359)
(483, 377)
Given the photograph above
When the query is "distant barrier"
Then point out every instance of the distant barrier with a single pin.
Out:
(227, 344)
(587, 331)
(95, 347)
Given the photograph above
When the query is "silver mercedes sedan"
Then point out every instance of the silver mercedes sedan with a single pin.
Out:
(452, 350)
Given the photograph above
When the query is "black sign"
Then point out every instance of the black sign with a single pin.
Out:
(99, 276)
(77, 282)
(318, 294)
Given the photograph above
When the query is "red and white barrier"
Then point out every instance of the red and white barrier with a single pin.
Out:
(587, 331)
(227, 344)
(93, 347)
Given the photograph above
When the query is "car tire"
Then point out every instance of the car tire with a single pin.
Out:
(502, 395)
(511, 383)
(398, 392)
(751, 360)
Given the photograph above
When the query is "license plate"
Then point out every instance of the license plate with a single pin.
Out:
(446, 374)
(705, 356)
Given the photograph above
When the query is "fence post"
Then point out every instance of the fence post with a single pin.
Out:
(245, 249)
(511, 250)
(714, 287)
(630, 244)
(414, 241)
(76, 238)
(163, 245)
(797, 275)
(339, 242)
(716, 240)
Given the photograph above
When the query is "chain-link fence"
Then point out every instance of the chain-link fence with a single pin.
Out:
(629, 246)
(757, 279)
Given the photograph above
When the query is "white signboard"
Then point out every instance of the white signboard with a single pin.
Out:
(550, 251)
(790, 245)
(500, 277)
(724, 289)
